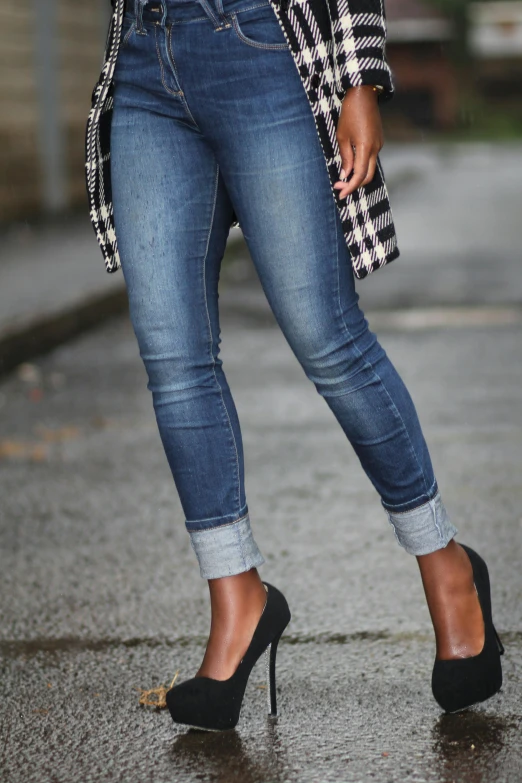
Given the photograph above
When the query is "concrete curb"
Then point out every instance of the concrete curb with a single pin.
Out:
(31, 337)
(35, 336)
(43, 333)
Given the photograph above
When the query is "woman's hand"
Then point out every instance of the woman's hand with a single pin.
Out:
(360, 138)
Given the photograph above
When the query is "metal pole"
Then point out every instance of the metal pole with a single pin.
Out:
(105, 16)
(51, 136)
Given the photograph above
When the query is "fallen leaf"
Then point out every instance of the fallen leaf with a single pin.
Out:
(156, 697)
(57, 435)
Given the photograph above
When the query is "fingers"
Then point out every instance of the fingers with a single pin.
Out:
(347, 158)
(360, 171)
(371, 169)
(364, 166)
(347, 164)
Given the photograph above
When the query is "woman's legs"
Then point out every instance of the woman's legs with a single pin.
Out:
(282, 196)
(303, 263)
(172, 217)
(248, 139)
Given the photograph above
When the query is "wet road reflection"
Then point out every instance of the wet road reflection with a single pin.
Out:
(470, 746)
(226, 758)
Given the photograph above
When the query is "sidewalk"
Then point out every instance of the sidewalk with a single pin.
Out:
(52, 287)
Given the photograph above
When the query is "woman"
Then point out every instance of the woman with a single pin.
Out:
(213, 112)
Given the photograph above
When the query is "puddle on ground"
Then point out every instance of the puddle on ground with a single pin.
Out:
(470, 745)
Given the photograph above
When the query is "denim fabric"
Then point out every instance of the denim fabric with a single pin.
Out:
(211, 118)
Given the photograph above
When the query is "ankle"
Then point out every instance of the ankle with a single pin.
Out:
(447, 577)
(237, 603)
(447, 570)
(240, 593)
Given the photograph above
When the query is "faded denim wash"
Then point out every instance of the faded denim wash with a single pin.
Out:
(211, 117)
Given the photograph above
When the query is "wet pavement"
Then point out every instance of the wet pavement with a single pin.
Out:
(100, 595)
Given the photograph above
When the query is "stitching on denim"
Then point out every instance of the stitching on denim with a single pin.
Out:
(240, 548)
(432, 504)
(218, 527)
(203, 18)
(252, 7)
(425, 498)
(172, 61)
(394, 529)
(171, 92)
(128, 34)
(138, 12)
(213, 358)
(224, 21)
(367, 364)
(210, 13)
(444, 536)
(255, 44)
(415, 455)
(188, 21)
(207, 566)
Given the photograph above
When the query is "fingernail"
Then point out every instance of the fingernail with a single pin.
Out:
(343, 173)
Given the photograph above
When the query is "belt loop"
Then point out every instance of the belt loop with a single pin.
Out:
(214, 11)
(138, 12)
(224, 20)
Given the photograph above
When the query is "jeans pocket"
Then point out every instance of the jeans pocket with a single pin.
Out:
(258, 26)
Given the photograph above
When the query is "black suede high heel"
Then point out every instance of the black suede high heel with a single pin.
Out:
(459, 683)
(214, 705)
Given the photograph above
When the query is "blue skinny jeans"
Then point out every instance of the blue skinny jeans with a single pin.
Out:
(210, 117)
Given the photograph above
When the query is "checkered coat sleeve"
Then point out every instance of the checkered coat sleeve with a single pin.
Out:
(335, 45)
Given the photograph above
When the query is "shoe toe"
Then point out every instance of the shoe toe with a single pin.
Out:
(203, 703)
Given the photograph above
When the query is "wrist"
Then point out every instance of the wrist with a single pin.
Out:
(376, 89)
(361, 94)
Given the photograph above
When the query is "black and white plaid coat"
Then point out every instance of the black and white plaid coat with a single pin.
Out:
(336, 44)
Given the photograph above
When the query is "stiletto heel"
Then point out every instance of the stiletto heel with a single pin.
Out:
(459, 683)
(499, 643)
(271, 653)
(215, 705)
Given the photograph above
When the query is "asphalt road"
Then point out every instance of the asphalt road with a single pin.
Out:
(99, 591)
(100, 594)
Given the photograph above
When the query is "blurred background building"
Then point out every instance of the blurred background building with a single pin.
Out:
(50, 52)
(495, 43)
(419, 52)
(457, 66)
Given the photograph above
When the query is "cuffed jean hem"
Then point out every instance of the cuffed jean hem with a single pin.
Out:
(423, 529)
(226, 550)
